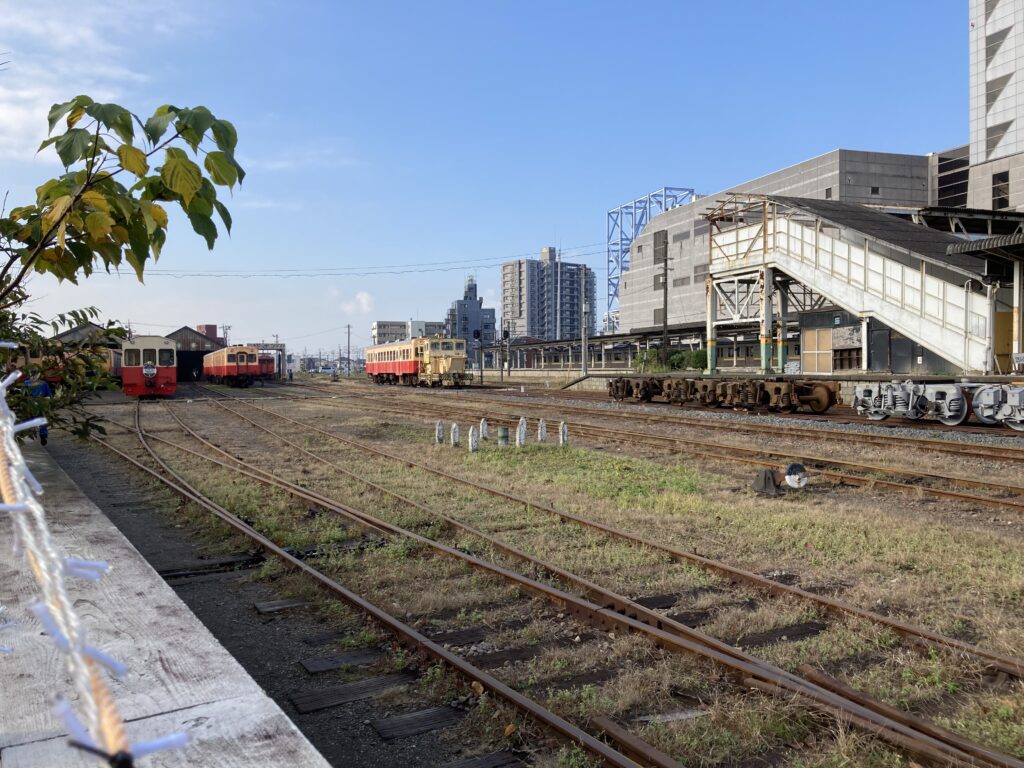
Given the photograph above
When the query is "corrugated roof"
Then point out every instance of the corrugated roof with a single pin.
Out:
(1009, 245)
(931, 243)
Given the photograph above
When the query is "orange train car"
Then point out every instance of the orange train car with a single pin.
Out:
(236, 366)
(149, 367)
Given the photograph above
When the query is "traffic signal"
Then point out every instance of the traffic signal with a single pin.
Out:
(504, 335)
(476, 334)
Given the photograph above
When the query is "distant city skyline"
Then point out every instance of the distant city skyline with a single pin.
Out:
(394, 149)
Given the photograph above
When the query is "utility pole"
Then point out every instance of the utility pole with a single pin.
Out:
(348, 365)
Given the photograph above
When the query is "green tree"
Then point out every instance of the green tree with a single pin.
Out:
(109, 207)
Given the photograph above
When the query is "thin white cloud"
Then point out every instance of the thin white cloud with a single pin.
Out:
(331, 153)
(53, 59)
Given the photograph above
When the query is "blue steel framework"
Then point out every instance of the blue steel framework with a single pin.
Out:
(624, 224)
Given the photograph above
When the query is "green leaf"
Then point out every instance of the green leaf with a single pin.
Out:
(47, 143)
(83, 253)
(220, 169)
(192, 124)
(72, 145)
(98, 225)
(138, 241)
(133, 160)
(180, 174)
(225, 216)
(156, 126)
(204, 226)
(57, 111)
(156, 242)
(225, 135)
(200, 205)
(114, 117)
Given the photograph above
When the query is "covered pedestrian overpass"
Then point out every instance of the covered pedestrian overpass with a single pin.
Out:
(956, 293)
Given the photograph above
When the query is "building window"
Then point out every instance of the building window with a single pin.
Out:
(875, 191)
(659, 281)
(1000, 190)
(828, 193)
(659, 316)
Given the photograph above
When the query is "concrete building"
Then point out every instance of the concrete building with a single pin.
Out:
(384, 331)
(467, 315)
(543, 298)
(997, 105)
(843, 175)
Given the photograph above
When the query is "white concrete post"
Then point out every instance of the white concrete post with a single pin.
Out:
(474, 444)
(439, 432)
(521, 432)
(483, 429)
(563, 433)
(455, 435)
(542, 431)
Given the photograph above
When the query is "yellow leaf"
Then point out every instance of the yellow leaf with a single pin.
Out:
(74, 116)
(96, 200)
(98, 225)
(159, 215)
(477, 688)
(132, 159)
(120, 234)
(510, 729)
(56, 212)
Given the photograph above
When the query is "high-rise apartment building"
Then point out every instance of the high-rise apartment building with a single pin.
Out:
(385, 331)
(543, 298)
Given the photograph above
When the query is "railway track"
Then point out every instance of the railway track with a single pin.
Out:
(815, 688)
(1009, 453)
(629, 752)
(914, 482)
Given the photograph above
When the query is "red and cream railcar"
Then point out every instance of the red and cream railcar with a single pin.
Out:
(149, 367)
(236, 366)
(415, 362)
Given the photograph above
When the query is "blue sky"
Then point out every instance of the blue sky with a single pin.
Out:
(443, 137)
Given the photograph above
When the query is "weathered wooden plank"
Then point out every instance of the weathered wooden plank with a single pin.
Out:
(173, 661)
(354, 658)
(493, 760)
(232, 733)
(314, 699)
(658, 601)
(273, 606)
(415, 723)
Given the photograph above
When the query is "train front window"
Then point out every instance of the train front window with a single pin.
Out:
(232, 358)
(149, 357)
(166, 358)
(435, 346)
(460, 346)
(447, 346)
(131, 357)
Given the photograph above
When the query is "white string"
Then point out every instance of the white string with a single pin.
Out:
(103, 729)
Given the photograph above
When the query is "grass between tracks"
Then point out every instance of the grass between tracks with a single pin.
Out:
(956, 579)
(891, 554)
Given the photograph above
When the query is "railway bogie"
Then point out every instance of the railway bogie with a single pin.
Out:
(778, 394)
(949, 403)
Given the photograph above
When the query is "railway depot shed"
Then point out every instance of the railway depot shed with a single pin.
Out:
(192, 346)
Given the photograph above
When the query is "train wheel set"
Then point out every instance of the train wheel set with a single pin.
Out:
(784, 395)
(950, 403)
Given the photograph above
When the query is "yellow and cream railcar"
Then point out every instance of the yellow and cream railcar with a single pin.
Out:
(418, 362)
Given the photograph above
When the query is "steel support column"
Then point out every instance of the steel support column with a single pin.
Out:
(783, 310)
(767, 276)
(864, 346)
(711, 313)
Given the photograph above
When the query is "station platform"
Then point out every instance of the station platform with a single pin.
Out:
(179, 679)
